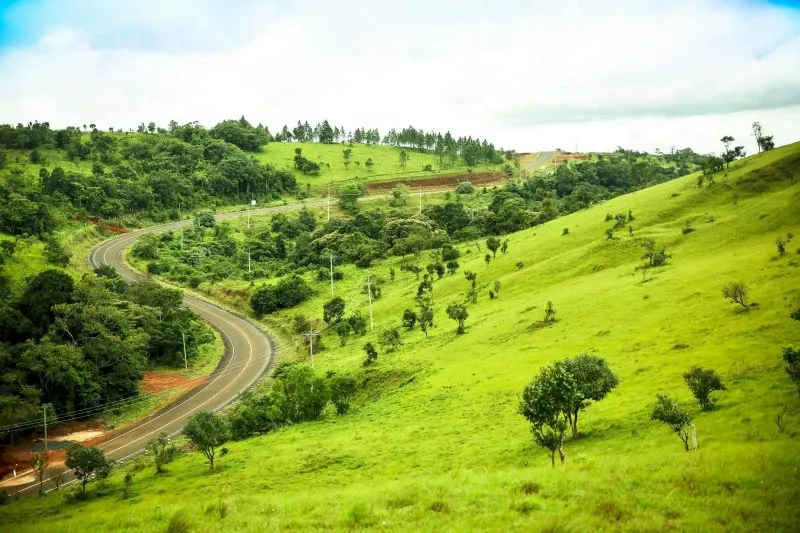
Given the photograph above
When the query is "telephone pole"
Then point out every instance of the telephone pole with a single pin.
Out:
(248, 259)
(44, 412)
(310, 334)
(331, 257)
(369, 294)
(329, 203)
(185, 360)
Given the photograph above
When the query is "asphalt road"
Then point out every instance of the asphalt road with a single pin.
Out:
(248, 351)
(543, 158)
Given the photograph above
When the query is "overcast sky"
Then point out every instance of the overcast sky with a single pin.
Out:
(525, 75)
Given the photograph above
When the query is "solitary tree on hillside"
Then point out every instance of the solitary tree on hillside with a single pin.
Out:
(702, 383)
(346, 155)
(87, 462)
(731, 154)
(425, 315)
(403, 158)
(764, 142)
(667, 411)
(459, 313)
(372, 354)
(543, 405)
(333, 310)
(207, 431)
(493, 244)
(791, 356)
(593, 381)
(736, 292)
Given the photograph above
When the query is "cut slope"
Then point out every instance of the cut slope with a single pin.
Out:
(448, 451)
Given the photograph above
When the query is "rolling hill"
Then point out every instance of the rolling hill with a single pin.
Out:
(435, 441)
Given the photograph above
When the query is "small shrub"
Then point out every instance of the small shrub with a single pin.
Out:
(360, 516)
(372, 354)
(465, 188)
(179, 523)
(565, 231)
(780, 243)
(549, 313)
(702, 383)
(3, 497)
(409, 319)
(609, 234)
(389, 339)
(736, 292)
(609, 217)
(687, 228)
(439, 507)
(520, 265)
(791, 356)
(667, 411)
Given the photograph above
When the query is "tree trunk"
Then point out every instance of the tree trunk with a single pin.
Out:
(573, 422)
(561, 454)
(553, 458)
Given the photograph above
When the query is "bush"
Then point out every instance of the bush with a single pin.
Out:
(565, 231)
(780, 243)
(702, 383)
(687, 228)
(465, 188)
(667, 411)
(286, 293)
(409, 318)
(343, 387)
(736, 292)
(372, 354)
(389, 339)
(791, 356)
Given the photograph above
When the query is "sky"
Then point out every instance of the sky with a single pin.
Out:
(526, 75)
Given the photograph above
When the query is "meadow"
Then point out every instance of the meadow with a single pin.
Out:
(435, 442)
(333, 172)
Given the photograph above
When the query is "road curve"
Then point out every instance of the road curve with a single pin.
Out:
(540, 160)
(249, 351)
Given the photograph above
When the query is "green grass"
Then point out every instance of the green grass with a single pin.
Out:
(329, 157)
(443, 448)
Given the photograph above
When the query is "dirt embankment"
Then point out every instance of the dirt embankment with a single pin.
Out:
(476, 178)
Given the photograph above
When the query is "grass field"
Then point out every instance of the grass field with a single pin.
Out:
(438, 445)
(329, 157)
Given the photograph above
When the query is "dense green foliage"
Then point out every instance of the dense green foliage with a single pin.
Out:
(80, 346)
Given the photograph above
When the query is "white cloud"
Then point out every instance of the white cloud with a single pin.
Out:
(532, 75)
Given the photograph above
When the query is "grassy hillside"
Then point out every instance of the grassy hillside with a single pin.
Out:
(437, 444)
(329, 158)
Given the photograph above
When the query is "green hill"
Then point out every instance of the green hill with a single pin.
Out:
(435, 442)
(385, 159)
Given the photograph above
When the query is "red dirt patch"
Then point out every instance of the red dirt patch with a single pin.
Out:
(155, 382)
(476, 178)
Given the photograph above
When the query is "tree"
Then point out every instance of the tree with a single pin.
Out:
(702, 383)
(472, 277)
(488, 259)
(343, 388)
(87, 462)
(764, 142)
(401, 193)
(544, 405)
(409, 319)
(347, 153)
(55, 253)
(425, 315)
(459, 313)
(40, 464)
(205, 219)
(333, 310)
(161, 450)
(452, 266)
(207, 431)
(593, 380)
(369, 163)
(493, 244)
(389, 339)
(736, 292)
(403, 158)
(288, 292)
(45, 290)
(372, 354)
(731, 154)
(791, 356)
(349, 195)
(667, 411)
(780, 243)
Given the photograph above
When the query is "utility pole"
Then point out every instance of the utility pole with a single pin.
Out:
(44, 412)
(331, 256)
(185, 360)
(369, 294)
(310, 334)
(248, 259)
(181, 237)
(329, 203)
